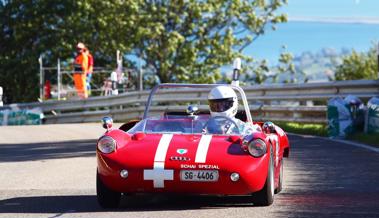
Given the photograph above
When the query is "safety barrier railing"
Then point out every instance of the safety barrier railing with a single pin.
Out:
(276, 102)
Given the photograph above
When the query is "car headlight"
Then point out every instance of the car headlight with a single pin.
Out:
(257, 148)
(106, 144)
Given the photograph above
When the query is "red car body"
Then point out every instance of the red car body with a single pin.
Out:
(162, 162)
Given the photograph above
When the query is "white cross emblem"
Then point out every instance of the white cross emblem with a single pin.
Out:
(158, 174)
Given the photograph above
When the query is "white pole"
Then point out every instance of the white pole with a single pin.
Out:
(119, 59)
(1, 96)
(40, 78)
(119, 66)
(59, 79)
(236, 71)
(140, 76)
(114, 83)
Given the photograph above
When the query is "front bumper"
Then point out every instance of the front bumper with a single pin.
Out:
(252, 178)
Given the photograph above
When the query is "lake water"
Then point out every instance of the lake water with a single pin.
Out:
(299, 36)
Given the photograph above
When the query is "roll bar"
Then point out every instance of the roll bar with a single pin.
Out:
(175, 85)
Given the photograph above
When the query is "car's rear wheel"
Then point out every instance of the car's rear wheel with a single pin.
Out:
(265, 197)
(106, 197)
(280, 184)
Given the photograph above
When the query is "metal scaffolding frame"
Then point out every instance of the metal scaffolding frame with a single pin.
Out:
(60, 72)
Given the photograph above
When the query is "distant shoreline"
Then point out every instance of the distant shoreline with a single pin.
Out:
(341, 20)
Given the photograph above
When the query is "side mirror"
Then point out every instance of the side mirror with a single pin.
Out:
(269, 127)
(192, 109)
(107, 122)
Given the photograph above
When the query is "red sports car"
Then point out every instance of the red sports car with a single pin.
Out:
(177, 153)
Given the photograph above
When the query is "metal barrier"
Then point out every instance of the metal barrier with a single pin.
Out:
(277, 102)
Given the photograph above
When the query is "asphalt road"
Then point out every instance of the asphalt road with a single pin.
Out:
(49, 171)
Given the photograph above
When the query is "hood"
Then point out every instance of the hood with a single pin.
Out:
(179, 151)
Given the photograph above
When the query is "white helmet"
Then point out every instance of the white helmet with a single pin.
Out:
(223, 101)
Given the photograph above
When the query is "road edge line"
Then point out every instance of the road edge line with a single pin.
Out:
(356, 144)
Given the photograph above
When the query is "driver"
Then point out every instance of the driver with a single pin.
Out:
(223, 102)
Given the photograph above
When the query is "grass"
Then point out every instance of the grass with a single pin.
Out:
(370, 139)
(304, 128)
(322, 130)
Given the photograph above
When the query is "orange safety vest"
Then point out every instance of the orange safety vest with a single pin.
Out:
(81, 67)
(81, 63)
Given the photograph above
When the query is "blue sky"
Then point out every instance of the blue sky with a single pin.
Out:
(332, 8)
(336, 24)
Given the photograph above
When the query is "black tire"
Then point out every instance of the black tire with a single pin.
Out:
(265, 197)
(105, 197)
(280, 185)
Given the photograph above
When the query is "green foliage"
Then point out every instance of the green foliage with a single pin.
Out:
(304, 128)
(53, 28)
(322, 130)
(258, 72)
(179, 41)
(358, 66)
(371, 139)
(188, 41)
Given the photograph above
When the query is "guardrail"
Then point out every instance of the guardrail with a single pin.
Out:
(277, 102)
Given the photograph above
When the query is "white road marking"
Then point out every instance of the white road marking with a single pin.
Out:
(356, 144)
(158, 174)
(368, 147)
(202, 149)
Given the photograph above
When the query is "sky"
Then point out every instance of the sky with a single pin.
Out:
(336, 24)
(332, 8)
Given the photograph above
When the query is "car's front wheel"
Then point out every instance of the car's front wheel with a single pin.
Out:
(106, 197)
(265, 197)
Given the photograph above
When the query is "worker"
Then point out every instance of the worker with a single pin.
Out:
(90, 71)
(80, 70)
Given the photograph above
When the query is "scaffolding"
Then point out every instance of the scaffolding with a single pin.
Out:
(104, 81)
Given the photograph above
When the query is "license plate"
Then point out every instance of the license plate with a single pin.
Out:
(199, 175)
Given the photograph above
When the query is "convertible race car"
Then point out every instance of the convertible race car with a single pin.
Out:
(178, 152)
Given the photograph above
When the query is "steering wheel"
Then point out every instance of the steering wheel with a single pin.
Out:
(219, 122)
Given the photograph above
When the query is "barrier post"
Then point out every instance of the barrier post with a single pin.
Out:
(41, 76)
(59, 79)
(114, 83)
(140, 76)
(1, 96)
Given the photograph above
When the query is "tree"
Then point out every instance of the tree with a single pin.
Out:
(188, 41)
(181, 41)
(358, 65)
(30, 28)
(259, 71)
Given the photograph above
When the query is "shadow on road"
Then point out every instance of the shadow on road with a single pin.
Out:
(49, 204)
(322, 179)
(329, 179)
(88, 203)
(41, 151)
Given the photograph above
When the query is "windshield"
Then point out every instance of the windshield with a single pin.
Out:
(185, 124)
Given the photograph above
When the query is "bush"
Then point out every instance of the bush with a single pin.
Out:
(358, 66)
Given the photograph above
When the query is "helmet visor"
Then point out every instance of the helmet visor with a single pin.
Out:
(220, 105)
